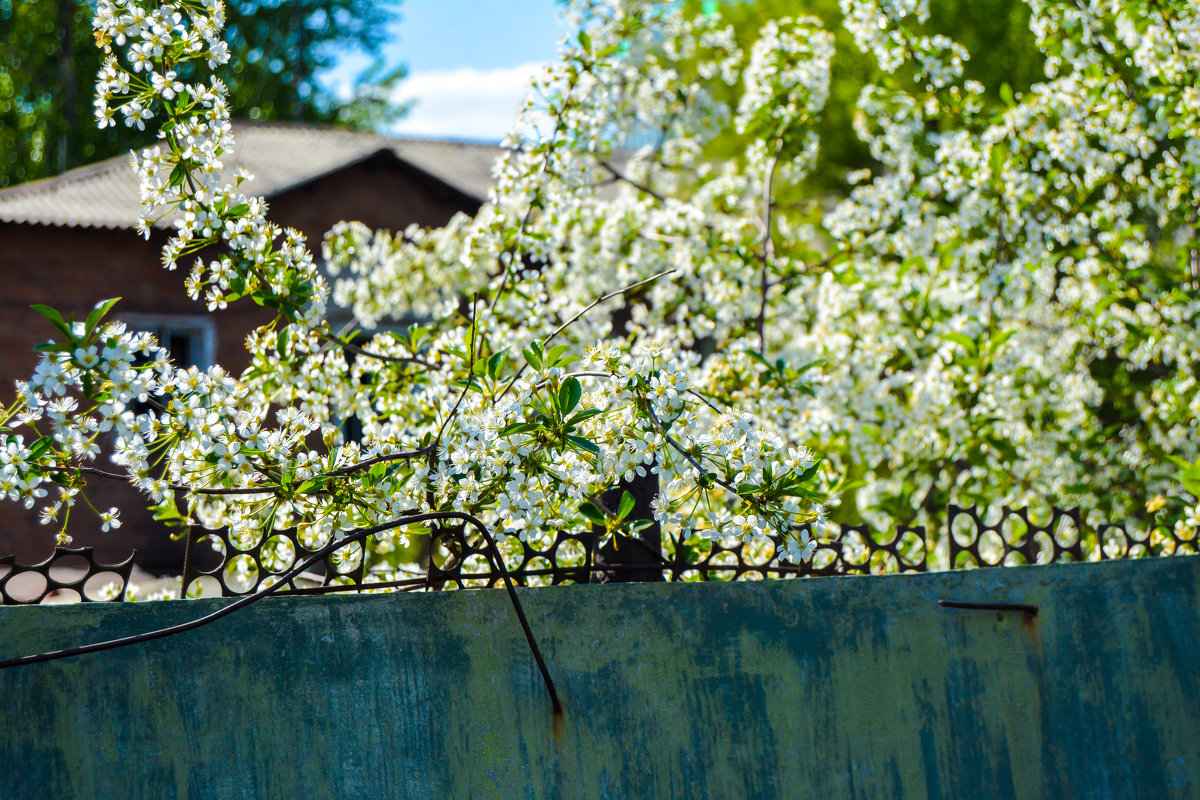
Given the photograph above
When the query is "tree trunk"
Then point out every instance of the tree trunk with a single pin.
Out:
(299, 66)
(631, 559)
(67, 80)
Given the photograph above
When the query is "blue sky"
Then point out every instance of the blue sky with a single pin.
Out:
(469, 62)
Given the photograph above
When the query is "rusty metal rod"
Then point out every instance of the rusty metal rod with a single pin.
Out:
(352, 537)
(1030, 610)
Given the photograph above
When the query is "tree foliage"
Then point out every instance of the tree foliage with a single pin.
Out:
(1003, 309)
(995, 32)
(49, 61)
(278, 47)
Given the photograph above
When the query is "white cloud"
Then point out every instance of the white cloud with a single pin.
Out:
(464, 103)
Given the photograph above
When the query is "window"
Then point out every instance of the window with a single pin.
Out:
(191, 340)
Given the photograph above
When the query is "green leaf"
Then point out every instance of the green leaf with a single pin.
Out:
(585, 42)
(532, 358)
(415, 334)
(55, 319)
(98, 312)
(281, 341)
(566, 360)
(1000, 339)
(494, 363)
(1190, 478)
(591, 513)
(757, 356)
(517, 427)
(240, 210)
(996, 162)
(39, 447)
(806, 367)
(312, 485)
(626, 506)
(1006, 94)
(166, 510)
(796, 491)
(961, 339)
(1105, 302)
(590, 446)
(52, 347)
(555, 355)
(167, 513)
(807, 475)
(569, 394)
(587, 413)
(1004, 447)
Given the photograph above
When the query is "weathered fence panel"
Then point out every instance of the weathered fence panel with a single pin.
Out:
(858, 687)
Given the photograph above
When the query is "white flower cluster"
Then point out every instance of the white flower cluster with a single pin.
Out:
(884, 28)
(787, 76)
(1036, 258)
(451, 418)
(1004, 312)
(184, 177)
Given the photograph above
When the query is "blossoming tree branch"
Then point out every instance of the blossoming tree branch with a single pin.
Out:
(1002, 310)
(467, 413)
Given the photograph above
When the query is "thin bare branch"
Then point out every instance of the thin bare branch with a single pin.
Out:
(470, 377)
(99, 473)
(353, 348)
(600, 300)
(687, 456)
(408, 455)
(768, 246)
(641, 187)
(590, 306)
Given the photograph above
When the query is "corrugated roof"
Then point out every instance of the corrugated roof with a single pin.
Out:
(280, 155)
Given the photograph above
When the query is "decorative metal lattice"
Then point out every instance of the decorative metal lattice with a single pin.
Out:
(1013, 540)
(455, 559)
(1115, 541)
(69, 575)
(242, 570)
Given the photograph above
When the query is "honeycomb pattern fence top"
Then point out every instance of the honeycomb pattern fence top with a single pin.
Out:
(453, 559)
(69, 575)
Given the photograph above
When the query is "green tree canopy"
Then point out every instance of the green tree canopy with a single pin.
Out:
(278, 48)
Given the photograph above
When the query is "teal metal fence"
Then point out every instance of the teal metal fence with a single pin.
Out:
(861, 687)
